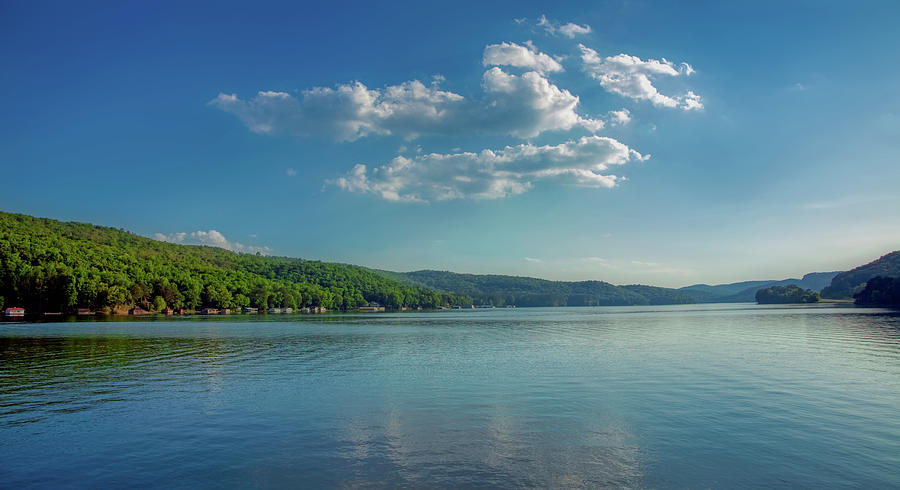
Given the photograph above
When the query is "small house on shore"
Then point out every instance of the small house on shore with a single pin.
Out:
(167, 311)
(137, 310)
(372, 308)
(274, 310)
(14, 312)
(209, 311)
(83, 311)
(248, 309)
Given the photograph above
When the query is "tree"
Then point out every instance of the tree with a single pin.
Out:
(140, 292)
(218, 296)
(241, 300)
(159, 303)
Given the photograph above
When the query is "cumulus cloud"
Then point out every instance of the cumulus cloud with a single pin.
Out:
(527, 105)
(492, 174)
(346, 112)
(211, 238)
(290, 172)
(518, 105)
(630, 76)
(569, 30)
(619, 118)
(512, 54)
(691, 101)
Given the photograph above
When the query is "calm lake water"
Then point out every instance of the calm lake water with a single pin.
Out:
(695, 396)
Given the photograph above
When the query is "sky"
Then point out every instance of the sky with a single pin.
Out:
(664, 143)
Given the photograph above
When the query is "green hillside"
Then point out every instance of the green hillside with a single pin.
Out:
(880, 291)
(48, 265)
(500, 290)
(660, 296)
(847, 284)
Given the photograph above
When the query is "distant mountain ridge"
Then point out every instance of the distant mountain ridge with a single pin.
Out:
(745, 291)
(500, 290)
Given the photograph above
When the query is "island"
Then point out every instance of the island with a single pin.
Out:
(786, 295)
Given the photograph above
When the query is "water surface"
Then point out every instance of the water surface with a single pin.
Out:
(691, 396)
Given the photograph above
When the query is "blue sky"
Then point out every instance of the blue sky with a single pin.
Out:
(626, 141)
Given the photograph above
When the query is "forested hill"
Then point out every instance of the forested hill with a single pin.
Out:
(742, 292)
(499, 290)
(847, 284)
(48, 265)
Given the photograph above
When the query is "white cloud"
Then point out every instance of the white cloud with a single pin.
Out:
(644, 264)
(492, 174)
(569, 30)
(211, 238)
(347, 112)
(290, 172)
(630, 76)
(512, 54)
(596, 261)
(619, 118)
(691, 101)
(519, 105)
(642, 267)
(527, 105)
(533, 260)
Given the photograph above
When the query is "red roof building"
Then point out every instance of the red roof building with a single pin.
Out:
(14, 312)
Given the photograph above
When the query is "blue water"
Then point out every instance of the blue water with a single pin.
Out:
(696, 396)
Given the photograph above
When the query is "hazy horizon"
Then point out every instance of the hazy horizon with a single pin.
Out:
(624, 141)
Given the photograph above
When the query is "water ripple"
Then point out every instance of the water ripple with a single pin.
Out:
(626, 397)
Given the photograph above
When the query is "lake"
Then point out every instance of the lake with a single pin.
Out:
(688, 396)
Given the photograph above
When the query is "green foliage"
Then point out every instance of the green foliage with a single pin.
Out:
(785, 295)
(47, 265)
(500, 290)
(880, 291)
(159, 303)
(847, 284)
